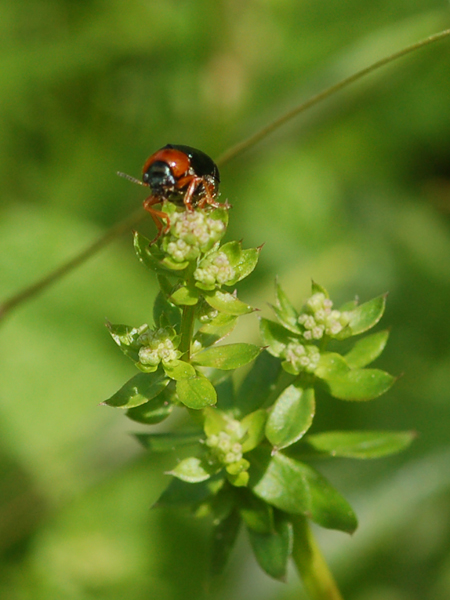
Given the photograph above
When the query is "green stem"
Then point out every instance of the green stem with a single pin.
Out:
(316, 576)
(187, 331)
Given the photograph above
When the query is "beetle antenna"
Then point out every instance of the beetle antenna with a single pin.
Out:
(130, 178)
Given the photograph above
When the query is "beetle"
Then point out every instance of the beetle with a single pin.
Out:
(183, 175)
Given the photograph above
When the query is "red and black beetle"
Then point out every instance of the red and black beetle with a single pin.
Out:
(182, 175)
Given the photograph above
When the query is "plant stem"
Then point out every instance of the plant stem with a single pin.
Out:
(284, 118)
(187, 330)
(34, 289)
(316, 576)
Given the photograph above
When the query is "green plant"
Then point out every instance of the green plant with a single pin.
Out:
(248, 446)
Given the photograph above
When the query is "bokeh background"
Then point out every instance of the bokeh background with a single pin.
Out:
(355, 193)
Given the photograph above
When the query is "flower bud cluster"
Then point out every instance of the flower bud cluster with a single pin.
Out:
(302, 357)
(215, 269)
(319, 319)
(191, 233)
(158, 345)
(225, 447)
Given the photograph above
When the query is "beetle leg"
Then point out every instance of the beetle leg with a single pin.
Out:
(157, 216)
(193, 184)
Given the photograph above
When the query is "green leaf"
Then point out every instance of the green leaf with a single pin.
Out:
(247, 264)
(242, 261)
(126, 337)
(179, 369)
(253, 425)
(181, 493)
(256, 514)
(225, 394)
(191, 470)
(331, 364)
(272, 550)
(285, 311)
(155, 410)
(351, 384)
(167, 442)
(165, 313)
(153, 258)
(226, 357)
(316, 288)
(297, 488)
(196, 392)
(360, 444)
(259, 384)
(363, 317)
(367, 349)
(274, 336)
(215, 330)
(224, 538)
(185, 296)
(227, 303)
(139, 389)
(291, 416)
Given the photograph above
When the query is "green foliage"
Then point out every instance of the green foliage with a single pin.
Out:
(254, 443)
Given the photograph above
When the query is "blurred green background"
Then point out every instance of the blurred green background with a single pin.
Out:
(354, 193)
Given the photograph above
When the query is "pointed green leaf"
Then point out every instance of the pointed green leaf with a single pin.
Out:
(155, 410)
(367, 349)
(126, 337)
(139, 389)
(167, 442)
(316, 288)
(291, 416)
(153, 258)
(191, 470)
(227, 303)
(215, 330)
(360, 444)
(227, 357)
(185, 296)
(242, 261)
(272, 550)
(297, 488)
(285, 311)
(274, 336)
(224, 539)
(196, 392)
(363, 317)
(165, 313)
(247, 264)
(259, 384)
